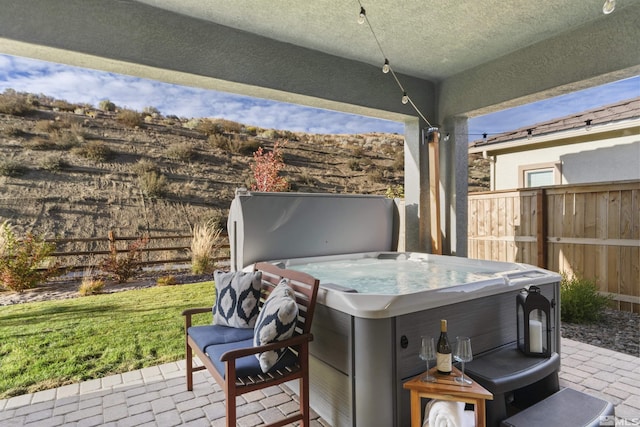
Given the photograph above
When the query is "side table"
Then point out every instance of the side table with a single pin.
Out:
(445, 388)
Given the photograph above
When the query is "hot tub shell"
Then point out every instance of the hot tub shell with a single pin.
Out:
(366, 344)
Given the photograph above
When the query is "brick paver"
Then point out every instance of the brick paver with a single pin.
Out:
(157, 396)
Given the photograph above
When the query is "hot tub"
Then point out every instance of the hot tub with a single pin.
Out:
(375, 304)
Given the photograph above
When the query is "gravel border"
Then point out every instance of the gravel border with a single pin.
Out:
(618, 331)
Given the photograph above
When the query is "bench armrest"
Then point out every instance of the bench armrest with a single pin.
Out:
(291, 342)
(190, 312)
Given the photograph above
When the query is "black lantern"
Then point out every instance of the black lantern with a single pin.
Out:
(533, 318)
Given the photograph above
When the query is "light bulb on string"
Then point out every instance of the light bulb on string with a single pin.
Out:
(588, 125)
(386, 67)
(609, 6)
(362, 16)
(484, 138)
(529, 133)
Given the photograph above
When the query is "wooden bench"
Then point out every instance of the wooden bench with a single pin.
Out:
(228, 353)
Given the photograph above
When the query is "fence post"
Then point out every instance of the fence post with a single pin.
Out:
(112, 241)
(541, 235)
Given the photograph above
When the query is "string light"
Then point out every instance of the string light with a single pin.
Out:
(588, 125)
(363, 16)
(529, 133)
(608, 6)
(386, 68)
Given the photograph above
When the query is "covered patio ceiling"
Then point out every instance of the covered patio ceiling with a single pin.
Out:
(428, 39)
(473, 53)
(455, 59)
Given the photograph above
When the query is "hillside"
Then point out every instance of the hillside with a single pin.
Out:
(78, 171)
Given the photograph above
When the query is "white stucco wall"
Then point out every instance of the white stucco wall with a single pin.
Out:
(605, 160)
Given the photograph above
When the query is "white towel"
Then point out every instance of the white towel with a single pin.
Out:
(441, 413)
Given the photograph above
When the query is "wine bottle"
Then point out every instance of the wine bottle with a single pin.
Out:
(443, 352)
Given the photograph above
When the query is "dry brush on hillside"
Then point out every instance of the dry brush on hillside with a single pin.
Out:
(77, 171)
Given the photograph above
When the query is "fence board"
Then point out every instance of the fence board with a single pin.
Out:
(592, 231)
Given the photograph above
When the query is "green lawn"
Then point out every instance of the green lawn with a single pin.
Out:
(49, 344)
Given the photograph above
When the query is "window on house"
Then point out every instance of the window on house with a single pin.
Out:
(540, 175)
(539, 178)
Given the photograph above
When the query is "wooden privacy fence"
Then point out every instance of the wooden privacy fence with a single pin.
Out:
(84, 253)
(591, 231)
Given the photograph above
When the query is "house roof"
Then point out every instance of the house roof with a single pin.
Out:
(625, 111)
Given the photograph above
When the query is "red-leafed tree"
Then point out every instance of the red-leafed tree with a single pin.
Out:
(266, 170)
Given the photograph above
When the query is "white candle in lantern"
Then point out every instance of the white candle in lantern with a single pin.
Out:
(535, 336)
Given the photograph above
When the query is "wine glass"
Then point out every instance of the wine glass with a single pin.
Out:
(428, 353)
(463, 354)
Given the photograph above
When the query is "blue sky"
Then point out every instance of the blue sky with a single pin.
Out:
(79, 85)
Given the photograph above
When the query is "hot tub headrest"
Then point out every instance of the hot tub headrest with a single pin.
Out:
(270, 226)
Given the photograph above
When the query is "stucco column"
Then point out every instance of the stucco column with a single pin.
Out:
(416, 188)
(454, 167)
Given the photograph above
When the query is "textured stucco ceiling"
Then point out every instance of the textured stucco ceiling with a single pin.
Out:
(431, 39)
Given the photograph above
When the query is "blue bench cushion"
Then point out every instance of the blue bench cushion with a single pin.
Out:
(207, 335)
(249, 365)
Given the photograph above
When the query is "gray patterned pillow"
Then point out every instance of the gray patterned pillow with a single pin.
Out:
(276, 322)
(237, 296)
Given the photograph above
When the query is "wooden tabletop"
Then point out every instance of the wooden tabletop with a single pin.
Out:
(445, 384)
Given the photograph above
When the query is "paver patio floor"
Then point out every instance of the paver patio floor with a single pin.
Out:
(157, 396)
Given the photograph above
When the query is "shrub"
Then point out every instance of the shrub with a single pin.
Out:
(145, 165)
(14, 103)
(246, 148)
(266, 170)
(358, 151)
(40, 144)
(64, 139)
(90, 285)
(181, 151)
(63, 105)
(106, 105)
(94, 150)
(228, 125)
(45, 126)
(53, 163)
(24, 263)
(122, 267)
(11, 168)
(580, 300)
(375, 175)
(396, 192)
(129, 118)
(153, 184)
(208, 127)
(205, 243)
(166, 281)
(151, 111)
(354, 165)
(219, 141)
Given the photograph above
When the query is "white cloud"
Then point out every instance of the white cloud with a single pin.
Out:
(80, 85)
